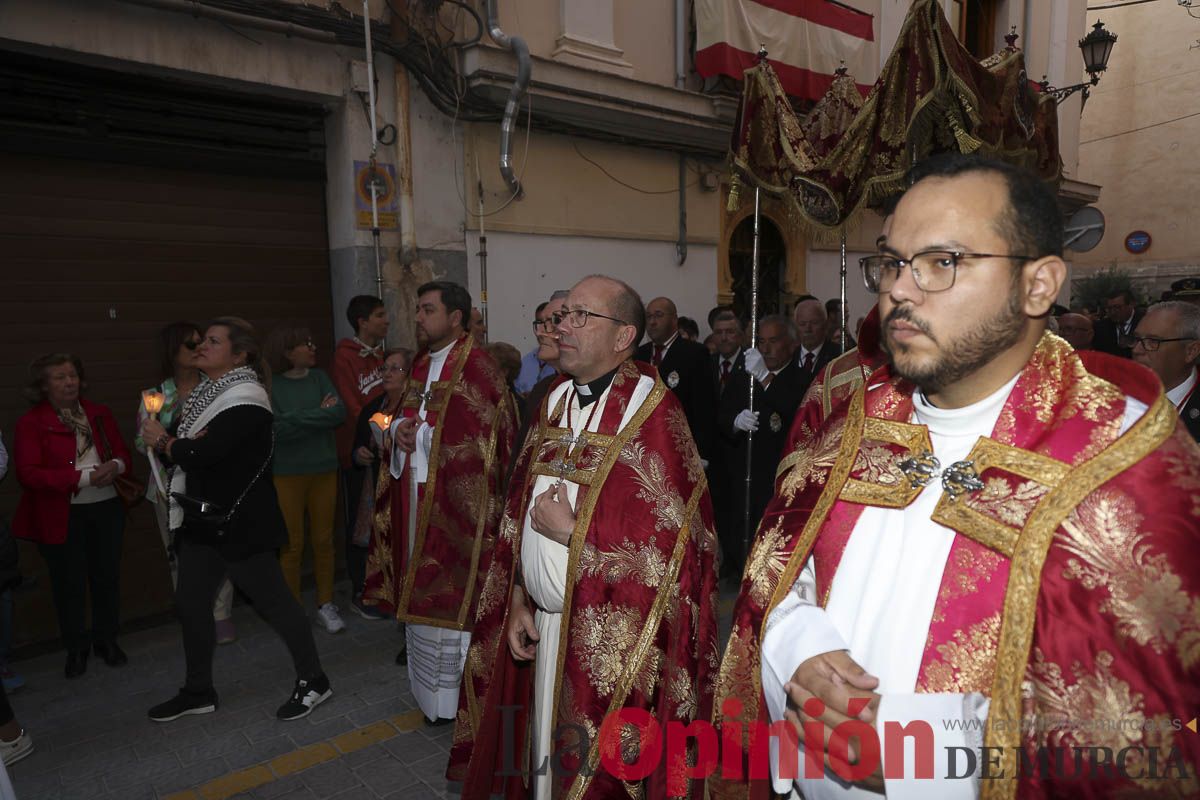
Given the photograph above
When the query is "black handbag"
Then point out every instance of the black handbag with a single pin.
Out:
(210, 520)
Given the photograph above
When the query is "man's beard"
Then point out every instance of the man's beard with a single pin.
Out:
(959, 358)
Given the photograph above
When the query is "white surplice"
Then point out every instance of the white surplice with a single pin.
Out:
(544, 569)
(879, 609)
(435, 655)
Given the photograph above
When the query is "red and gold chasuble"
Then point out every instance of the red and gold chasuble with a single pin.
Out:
(387, 553)
(639, 626)
(1072, 591)
(470, 410)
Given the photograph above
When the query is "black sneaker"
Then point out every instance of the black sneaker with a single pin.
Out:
(185, 703)
(307, 696)
(368, 612)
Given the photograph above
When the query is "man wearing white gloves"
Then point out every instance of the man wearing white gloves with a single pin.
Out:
(778, 389)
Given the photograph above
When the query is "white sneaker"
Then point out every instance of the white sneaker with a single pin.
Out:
(328, 614)
(17, 749)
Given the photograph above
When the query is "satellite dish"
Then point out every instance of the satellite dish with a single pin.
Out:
(1084, 230)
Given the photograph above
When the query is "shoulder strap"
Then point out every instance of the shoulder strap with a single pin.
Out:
(102, 436)
(254, 480)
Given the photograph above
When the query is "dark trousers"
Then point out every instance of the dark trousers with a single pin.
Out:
(202, 569)
(90, 557)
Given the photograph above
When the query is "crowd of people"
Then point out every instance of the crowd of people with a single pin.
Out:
(551, 528)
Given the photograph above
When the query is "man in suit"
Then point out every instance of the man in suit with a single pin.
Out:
(833, 326)
(778, 389)
(815, 350)
(1167, 340)
(1121, 320)
(1185, 289)
(1077, 329)
(684, 368)
(727, 333)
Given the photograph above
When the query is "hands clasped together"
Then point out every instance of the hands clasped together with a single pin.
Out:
(820, 693)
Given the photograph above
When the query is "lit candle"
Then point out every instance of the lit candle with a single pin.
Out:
(153, 401)
(382, 420)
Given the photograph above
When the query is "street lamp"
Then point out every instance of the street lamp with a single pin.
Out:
(1096, 48)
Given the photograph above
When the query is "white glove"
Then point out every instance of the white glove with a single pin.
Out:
(747, 420)
(756, 366)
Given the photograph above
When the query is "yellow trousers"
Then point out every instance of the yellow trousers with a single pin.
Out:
(317, 495)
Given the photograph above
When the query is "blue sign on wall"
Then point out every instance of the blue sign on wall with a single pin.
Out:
(1137, 242)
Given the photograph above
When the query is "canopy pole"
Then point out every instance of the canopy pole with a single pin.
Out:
(845, 309)
(747, 530)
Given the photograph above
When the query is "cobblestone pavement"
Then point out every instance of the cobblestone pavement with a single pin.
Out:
(93, 739)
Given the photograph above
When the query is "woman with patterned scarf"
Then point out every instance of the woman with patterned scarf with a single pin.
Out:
(68, 452)
(221, 454)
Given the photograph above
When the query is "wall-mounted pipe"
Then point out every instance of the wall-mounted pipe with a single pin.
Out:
(524, 68)
(235, 19)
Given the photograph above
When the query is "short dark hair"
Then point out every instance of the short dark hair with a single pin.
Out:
(541, 307)
(35, 387)
(1032, 224)
(724, 314)
(281, 341)
(1124, 294)
(688, 324)
(361, 306)
(166, 345)
(453, 296)
(717, 311)
(830, 305)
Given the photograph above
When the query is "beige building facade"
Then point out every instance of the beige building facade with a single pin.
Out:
(1138, 139)
(171, 159)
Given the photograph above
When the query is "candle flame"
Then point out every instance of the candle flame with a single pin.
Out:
(153, 401)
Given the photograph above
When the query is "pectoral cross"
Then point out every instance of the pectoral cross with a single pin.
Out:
(564, 462)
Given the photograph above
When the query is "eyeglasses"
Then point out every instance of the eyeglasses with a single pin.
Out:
(933, 270)
(393, 368)
(1148, 343)
(543, 324)
(579, 317)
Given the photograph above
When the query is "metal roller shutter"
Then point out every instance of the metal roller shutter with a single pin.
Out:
(97, 254)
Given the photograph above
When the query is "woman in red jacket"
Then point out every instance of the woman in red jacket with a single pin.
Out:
(68, 452)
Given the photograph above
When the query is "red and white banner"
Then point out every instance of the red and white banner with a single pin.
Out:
(806, 40)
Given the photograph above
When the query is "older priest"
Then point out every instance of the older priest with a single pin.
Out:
(452, 439)
(995, 536)
(601, 593)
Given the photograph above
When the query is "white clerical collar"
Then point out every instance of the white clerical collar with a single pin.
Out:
(436, 354)
(1180, 393)
(588, 392)
(977, 419)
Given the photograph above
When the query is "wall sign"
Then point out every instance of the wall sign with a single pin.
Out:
(1137, 242)
(385, 195)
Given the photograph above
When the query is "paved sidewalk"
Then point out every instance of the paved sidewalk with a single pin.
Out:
(93, 740)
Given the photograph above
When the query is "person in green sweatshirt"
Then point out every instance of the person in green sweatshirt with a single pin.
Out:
(307, 411)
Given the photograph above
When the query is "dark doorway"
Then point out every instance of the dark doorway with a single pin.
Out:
(772, 265)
